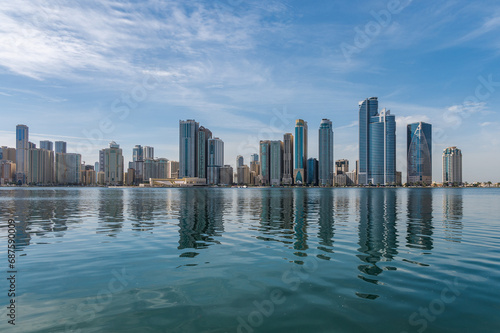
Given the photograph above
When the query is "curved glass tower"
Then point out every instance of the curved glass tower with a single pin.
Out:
(419, 153)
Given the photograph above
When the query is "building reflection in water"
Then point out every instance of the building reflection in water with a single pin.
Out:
(201, 214)
(110, 214)
(143, 208)
(276, 215)
(452, 215)
(326, 222)
(419, 225)
(301, 210)
(377, 230)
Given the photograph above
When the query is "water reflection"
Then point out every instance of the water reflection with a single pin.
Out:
(419, 224)
(326, 222)
(110, 214)
(452, 215)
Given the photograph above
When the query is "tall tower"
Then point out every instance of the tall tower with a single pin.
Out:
(204, 134)
(188, 132)
(22, 153)
(60, 147)
(452, 165)
(113, 164)
(288, 159)
(300, 170)
(215, 160)
(419, 153)
(275, 162)
(137, 153)
(47, 145)
(149, 152)
(265, 147)
(325, 168)
(377, 144)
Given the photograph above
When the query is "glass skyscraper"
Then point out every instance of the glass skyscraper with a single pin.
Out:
(325, 168)
(312, 172)
(276, 162)
(204, 134)
(287, 159)
(47, 145)
(22, 153)
(215, 160)
(377, 144)
(137, 153)
(452, 165)
(419, 153)
(60, 147)
(265, 148)
(188, 131)
(300, 171)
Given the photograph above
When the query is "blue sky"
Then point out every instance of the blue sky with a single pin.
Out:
(88, 73)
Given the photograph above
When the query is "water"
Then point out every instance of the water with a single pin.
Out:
(253, 260)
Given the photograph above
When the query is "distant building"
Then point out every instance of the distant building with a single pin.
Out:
(60, 147)
(68, 168)
(341, 167)
(22, 152)
(240, 161)
(254, 157)
(88, 176)
(8, 154)
(377, 144)
(265, 155)
(243, 175)
(275, 162)
(287, 159)
(325, 168)
(204, 134)
(419, 153)
(188, 132)
(226, 175)
(101, 161)
(137, 153)
(452, 165)
(172, 169)
(352, 177)
(312, 172)
(41, 167)
(113, 164)
(300, 151)
(129, 177)
(7, 171)
(148, 152)
(215, 160)
(47, 145)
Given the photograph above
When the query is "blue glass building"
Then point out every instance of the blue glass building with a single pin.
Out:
(312, 172)
(419, 153)
(300, 163)
(377, 144)
(188, 131)
(325, 168)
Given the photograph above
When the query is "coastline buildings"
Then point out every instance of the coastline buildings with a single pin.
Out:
(148, 152)
(188, 131)
(172, 169)
(287, 159)
(377, 144)
(215, 160)
(204, 134)
(22, 153)
(452, 165)
(312, 172)
(325, 168)
(264, 176)
(41, 167)
(275, 163)
(419, 153)
(226, 175)
(300, 165)
(113, 164)
(47, 145)
(68, 168)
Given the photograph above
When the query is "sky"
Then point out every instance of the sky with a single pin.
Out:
(98, 71)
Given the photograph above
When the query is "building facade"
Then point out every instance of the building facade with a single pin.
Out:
(148, 152)
(60, 147)
(47, 145)
(300, 151)
(68, 168)
(204, 134)
(265, 148)
(41, 167)
(215, 160)
(22, 153)
(275, 162)
(226, 175)
(113, 164)
(287, 159)
(325, 167)
(452, 165)
(419, 153)
(188, 132)
(312, 172)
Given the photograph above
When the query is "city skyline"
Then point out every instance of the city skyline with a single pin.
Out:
(247, 70)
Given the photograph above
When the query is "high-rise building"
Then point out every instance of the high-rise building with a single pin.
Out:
(41, 167)
(31, 145)
(215, 160)
(275, 162)
(149, 152)
(325, 168)
(254, 157)
(240, 161)
(288, 159)
(300, 164)
(7, 171)
(419, 153)
(312, 172)
(188, 132)
(377, 144)
(204, 134)
(46, 144)
(172, 169)
(68, 168)
(137, 153)
(60, 147)
(243, 175)
(341, 167)
(8, 154)
(452, 165)
(226, 175)
(113, 164)
(96, 166)
(101, 161)
(22, 152)
(265, 147)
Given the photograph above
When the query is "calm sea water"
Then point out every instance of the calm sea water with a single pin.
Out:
(253, 260)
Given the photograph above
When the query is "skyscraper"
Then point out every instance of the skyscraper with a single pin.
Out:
(288, 159)
(204, 134)
(300, 170)
(312, 172)
(48, 145)
(452, 165)
(377, 144)
(215, 160)
(22, 152)
(325, 168)
(68, 168)
(149, 152)
(254, 157)
(113, 164)
(188, 132)
(264, 161)
(275, 162)
(419, 153)
(240, 161)
(60, 147)
(341, 167)
(137, 153)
